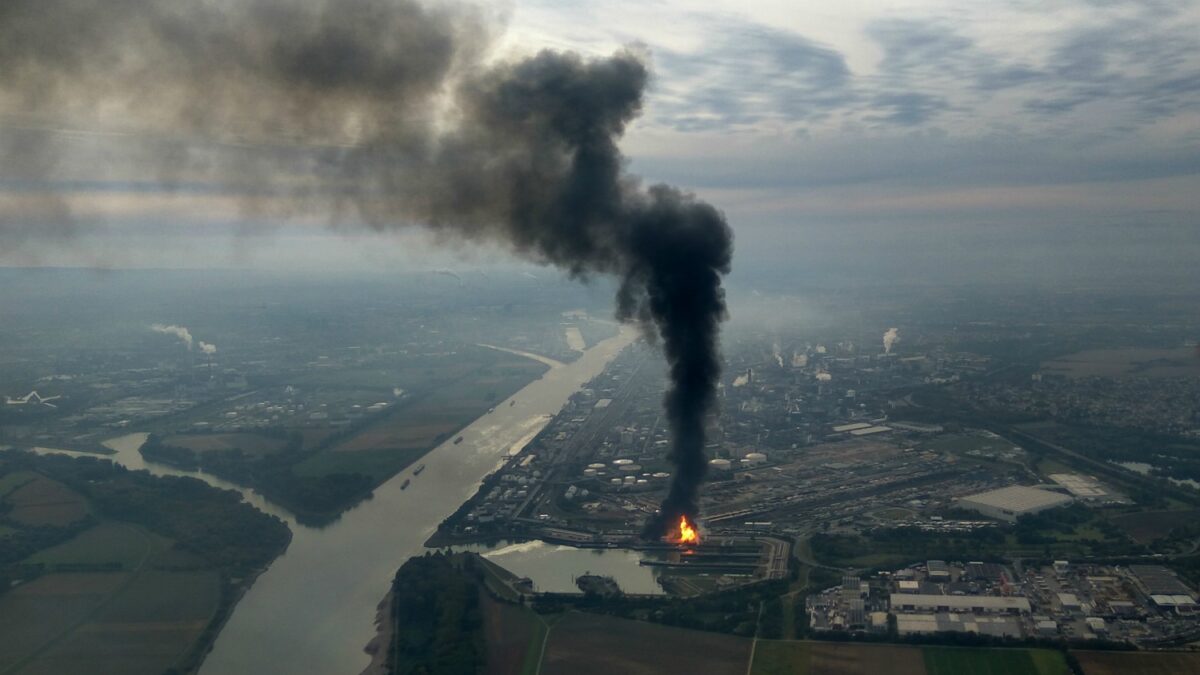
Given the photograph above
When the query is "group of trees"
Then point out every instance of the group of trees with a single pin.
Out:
(438, 621)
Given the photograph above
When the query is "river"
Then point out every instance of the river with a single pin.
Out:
(313, 609)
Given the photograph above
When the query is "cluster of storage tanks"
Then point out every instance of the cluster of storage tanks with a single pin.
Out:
(630, 473)
(750, 461)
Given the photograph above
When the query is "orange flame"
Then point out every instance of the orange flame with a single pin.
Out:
(687, 533)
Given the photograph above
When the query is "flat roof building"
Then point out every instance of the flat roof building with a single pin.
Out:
(945, 622)
(1013, 502)
(1083, 487)
(919, 602)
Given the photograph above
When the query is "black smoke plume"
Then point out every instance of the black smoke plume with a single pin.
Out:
(381, 112)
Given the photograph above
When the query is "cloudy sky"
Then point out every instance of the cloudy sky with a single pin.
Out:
(1036, 124)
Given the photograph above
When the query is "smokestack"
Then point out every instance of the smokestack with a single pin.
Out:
(381, 112)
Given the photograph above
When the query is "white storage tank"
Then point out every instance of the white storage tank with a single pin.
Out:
(720, 464)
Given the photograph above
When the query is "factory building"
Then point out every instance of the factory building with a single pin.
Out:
(946, 622)
(978, 604)
(1013, 502)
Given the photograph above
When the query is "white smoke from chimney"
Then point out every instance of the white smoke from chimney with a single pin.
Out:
(207, 348)
(180, 332)
(889, 339)
(776, 354)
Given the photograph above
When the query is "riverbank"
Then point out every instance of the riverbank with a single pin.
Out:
(385, 631)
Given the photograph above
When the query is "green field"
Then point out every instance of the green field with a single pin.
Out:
(968, 661)
(120, 545)
(777, 657)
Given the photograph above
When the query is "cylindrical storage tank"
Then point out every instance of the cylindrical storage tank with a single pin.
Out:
(597, 466)
(615, 481)
(662, 474)
(720, 464)
(630, 480)
(590, 473)
(622, 462)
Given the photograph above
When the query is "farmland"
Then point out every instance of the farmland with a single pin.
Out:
(513, 635)
(967, 661)
(847, 659)
(1127, 663)
(587, 644)
(133, 581)
(41, 501)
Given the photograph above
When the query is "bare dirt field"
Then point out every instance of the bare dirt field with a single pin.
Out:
(862, 659)
(1126, 663)
(587, 644)
(42, 501)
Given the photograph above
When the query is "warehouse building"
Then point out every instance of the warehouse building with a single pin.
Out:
(1013, 502)
(978, 604)
(946, 622)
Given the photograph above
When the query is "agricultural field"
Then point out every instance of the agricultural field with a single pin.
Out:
(779, 657)
(125, 622)
(1135, 663)
(972, 661)
(134, 584)
(447, 406)
(1139, 362)
(776, 657)
(110, 544)
(514, 636)
(589, 644)
(834, 658)
(42, 501)
(251, 444)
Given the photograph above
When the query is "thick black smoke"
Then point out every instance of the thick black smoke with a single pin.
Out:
(383, 112)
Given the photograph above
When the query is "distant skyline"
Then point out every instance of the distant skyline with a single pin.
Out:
(1024, 122)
